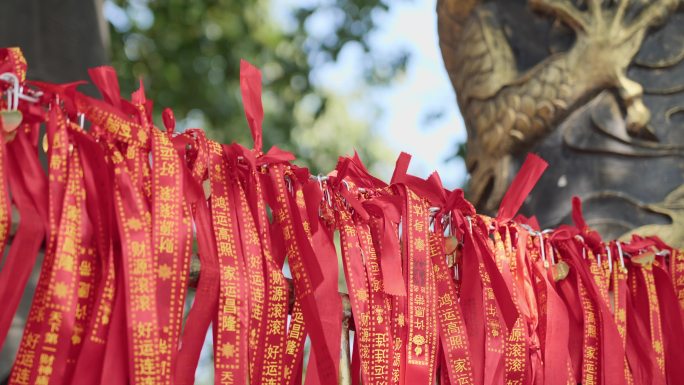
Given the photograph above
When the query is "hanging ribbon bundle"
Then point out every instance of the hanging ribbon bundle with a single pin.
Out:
(437, 292)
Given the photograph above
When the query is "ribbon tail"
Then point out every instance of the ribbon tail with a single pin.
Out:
(250, 85)
(522, 185)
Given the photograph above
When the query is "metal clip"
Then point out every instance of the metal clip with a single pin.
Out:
(620, 255)
(12, 93)
(288, 182)
(584, 250)
(543, 249)
(16, 92)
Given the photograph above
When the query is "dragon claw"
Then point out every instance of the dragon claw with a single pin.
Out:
(606, 36)
(652, 15)
(602, 13)
(637, 114)
(564, 9)
(637, 120)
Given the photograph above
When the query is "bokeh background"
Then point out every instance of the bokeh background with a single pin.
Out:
(362, 74)
(339, 76)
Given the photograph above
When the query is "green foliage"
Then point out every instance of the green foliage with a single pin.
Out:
(188, 53)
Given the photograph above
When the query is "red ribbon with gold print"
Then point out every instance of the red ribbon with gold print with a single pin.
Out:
(591, 369)
(98, 200)
(452, 333)
(289, 213)
(677, 273)
(204, 307)
(269, 357)
(27, 184)
(5, 204)
(139, 275)
(66, 302)
(553, 328)
(75, 267)
(379, 308)
(254, 263)
(12, 60)
(282, 218)
(647, 294)
(421, 342)
(620, 292)
(480, 298)
(42, 307)
(672, 325)
(597, 315)
(271, 352)
(318, 228)
(516, 355)
(357, 283)
(172, 237)
(231, 328)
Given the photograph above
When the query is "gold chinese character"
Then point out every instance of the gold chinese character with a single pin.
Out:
(291, 347)
(139, 266)
(228, 323)
(142, 302)
(273, 352)
(166, 193)
(85, 268)
(166, 228)
(21, 376)
(73, 213)
(142, 330)
(459, 365)
(166, 245)
(51, 338)
(167, 169)
(65, 261)
(590, 330)
(445, 300)
(83, 289)
(138, 250)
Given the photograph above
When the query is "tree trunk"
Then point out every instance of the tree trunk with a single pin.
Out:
(60, 39)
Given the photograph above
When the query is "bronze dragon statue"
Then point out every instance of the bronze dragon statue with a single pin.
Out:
(594, 86)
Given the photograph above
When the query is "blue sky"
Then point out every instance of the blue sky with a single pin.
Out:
(422, 91)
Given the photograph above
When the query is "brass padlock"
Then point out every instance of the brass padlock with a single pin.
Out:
(11, 119)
